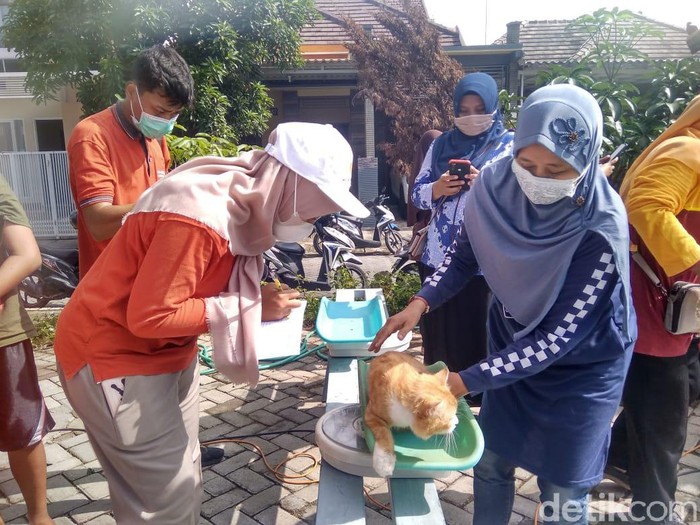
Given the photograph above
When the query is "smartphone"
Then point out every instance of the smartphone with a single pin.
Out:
(460, 167)
(617, 151)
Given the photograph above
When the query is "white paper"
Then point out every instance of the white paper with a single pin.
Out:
(113, 390)
(278, 339)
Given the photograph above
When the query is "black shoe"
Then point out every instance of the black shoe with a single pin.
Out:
(211, 456)
(618, 475)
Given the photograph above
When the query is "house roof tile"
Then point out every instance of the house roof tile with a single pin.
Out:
(551, 42)
(329, 29)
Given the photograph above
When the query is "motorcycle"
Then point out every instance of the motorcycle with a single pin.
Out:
(384, 228)
(57, 276)
(284, 261)
(404, 263)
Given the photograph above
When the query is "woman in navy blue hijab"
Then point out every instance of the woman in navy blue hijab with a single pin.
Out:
(551, 238)
(479, 136)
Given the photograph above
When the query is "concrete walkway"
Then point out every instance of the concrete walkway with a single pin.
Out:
(241, 489)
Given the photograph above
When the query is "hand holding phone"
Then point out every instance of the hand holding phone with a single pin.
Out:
(618, 151)
(454, 180)
(607, 163)
(460, 167)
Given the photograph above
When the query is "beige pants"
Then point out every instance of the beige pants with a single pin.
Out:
(149, 449)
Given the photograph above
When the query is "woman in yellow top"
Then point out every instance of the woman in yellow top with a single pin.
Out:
(661, 192)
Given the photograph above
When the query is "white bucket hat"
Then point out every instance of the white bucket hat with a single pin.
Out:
(320, 154)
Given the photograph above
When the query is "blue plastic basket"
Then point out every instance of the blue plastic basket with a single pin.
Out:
(350, 321)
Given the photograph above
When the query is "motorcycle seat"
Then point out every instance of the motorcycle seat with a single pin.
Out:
(64, 249)
(291, 247)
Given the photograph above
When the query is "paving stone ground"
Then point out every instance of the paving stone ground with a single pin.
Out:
(242, 489)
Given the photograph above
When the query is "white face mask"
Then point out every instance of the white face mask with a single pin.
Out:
(473, 125)
(294, 229)
(542, 190)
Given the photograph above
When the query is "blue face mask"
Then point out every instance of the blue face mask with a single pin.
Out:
(151, 126)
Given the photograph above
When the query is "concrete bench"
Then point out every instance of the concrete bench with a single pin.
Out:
(340, 495)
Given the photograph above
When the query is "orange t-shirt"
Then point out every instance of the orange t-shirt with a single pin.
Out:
(109, 161)
(141, 307)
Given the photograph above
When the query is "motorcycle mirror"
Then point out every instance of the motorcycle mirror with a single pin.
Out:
(73, 219)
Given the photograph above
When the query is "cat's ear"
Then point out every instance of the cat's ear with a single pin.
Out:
(443, 375)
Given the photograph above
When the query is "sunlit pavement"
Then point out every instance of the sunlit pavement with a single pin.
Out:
(241, 489)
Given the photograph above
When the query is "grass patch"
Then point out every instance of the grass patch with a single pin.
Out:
(46, 330)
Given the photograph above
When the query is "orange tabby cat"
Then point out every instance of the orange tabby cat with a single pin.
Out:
(402, 393)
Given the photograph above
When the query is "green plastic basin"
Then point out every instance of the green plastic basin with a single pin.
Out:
(466, 444)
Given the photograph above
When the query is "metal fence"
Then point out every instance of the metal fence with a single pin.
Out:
(40, 181)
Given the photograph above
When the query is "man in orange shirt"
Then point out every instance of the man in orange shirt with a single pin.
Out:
(118, 153)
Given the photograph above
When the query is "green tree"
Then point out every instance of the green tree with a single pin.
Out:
(405, 74)
(612, 37)
(632, 113)
(510, 104)
(90, 44)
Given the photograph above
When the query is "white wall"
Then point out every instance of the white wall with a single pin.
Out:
(25, 109)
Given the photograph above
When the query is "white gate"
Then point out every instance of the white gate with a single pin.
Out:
(40, 181)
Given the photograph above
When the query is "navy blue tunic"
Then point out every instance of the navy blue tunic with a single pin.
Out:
(550, 396)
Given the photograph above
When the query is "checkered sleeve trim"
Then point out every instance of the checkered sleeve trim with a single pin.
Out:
(553, 343)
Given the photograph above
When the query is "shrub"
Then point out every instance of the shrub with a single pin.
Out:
(185, 148)
(313, 301)
(398, 288)
(46, 330)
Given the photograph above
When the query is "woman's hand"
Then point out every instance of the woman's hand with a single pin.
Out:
(456, 385)
(403, 322)
(278, 301)
(608, 165)
(473, 174)
(447, 185)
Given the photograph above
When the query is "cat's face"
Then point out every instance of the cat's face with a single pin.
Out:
(437, 411)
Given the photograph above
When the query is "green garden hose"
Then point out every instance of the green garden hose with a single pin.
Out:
(205, 358)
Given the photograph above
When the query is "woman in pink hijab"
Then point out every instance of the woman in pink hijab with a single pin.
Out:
(187, 260)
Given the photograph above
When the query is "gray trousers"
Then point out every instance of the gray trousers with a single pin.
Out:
(149, 449)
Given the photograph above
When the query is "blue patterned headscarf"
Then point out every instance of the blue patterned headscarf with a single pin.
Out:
(525, 250)
(454, 144)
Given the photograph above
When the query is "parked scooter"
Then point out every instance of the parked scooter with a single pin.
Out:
(404, 263)
(284, 261)
(57, 276)
(384, 229)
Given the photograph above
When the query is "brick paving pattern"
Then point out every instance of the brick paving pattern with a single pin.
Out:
(242, 490)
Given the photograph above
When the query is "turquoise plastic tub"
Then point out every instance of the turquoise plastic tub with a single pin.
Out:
(350, 321)
(414, 453)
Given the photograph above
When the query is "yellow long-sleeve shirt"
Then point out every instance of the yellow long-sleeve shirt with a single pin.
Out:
(663, 204)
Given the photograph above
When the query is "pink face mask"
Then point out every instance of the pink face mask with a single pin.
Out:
(473, 125)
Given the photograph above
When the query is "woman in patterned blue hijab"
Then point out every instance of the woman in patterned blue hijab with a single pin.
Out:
(551, 238)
